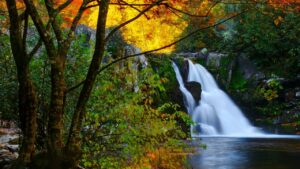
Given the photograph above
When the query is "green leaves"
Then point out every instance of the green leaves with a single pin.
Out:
(270, 92)
(8, 82)
(123, 125)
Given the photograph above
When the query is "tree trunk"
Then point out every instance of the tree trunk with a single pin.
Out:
(28, 114)
(27, 95)
(73, 144)
(58, 88)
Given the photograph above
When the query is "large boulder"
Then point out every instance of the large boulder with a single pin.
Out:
(193, 87)
(195, 90)
(184, 70)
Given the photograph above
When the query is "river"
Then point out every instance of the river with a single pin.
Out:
(246, 153)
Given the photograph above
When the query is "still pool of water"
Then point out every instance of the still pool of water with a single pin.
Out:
(247, 153)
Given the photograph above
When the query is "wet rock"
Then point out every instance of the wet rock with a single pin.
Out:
(3, 152)
(193, 87)
(259, 76)
(191, 55)
(177, 97)
(6, 157)
(14, 141)
(12, 148)
(9, 139)
(10, 131)
(195, 90)
(184, 70)
(297, 94)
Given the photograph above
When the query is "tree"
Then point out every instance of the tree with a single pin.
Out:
(27, 95)
(56, 27)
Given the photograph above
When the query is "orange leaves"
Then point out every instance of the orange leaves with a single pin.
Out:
(70, 11)
(285, 2)
(20, 5)
(164, 158)
(4, 15)
(288, 5)
(278, 20)
(151, 155)
(74, 3)
(2, 7)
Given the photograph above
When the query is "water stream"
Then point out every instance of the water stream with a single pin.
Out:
(216, 114)
(246, 153)
(232, 142)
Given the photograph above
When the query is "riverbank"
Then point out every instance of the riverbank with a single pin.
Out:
(9, 143)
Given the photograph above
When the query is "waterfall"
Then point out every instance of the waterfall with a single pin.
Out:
(216, 114)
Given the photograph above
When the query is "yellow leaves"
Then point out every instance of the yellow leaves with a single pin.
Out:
(153, 33)
(164, 80)
(161, 25)
(2, 5)
(163, 158)
(148, 101)
(157, 28)
(269, 94)
(278, 20)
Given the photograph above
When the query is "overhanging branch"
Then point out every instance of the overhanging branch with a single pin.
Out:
(173, 43)
(189, 14)
(163, 47)
(64, 5)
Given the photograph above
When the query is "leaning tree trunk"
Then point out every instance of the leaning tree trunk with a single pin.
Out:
(74, 141)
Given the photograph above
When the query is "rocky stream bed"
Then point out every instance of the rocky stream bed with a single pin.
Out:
(9, 143)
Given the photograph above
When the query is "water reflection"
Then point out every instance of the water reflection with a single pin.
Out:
(247, 153)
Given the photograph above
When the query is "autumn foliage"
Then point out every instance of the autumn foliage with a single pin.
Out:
(159, 26)
(146, 24)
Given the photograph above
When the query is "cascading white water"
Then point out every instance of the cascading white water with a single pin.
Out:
(216, 114)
